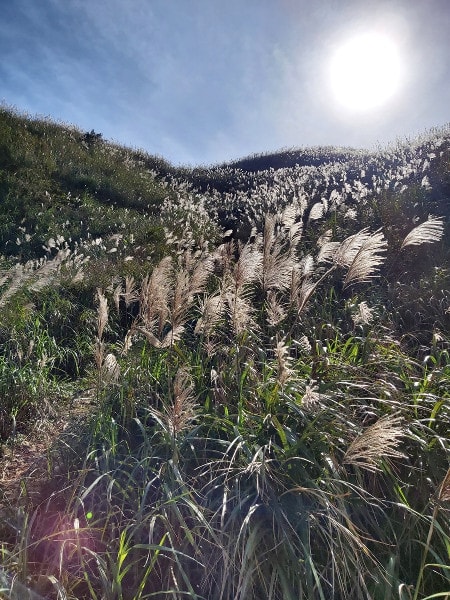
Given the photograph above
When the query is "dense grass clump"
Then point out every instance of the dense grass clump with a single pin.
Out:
(267, 367)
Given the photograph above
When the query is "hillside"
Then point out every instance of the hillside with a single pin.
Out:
(250, 363)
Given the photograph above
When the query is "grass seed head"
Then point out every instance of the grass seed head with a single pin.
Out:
(426, 233)
(377, 442)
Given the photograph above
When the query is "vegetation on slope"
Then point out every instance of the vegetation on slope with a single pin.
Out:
(270, 404)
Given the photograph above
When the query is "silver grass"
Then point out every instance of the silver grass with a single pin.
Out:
(49, 269)
(288, 221)
(128, 341)
(247, 267)
(102, 316)
(4, 276)
(211, 309)
(201, 273)
(296, 282)
(311, 398)
(150, 336)
(110, 369)
(283, 362)
(426, 233)
(347, 250)
(214, 376)
(154, 298)
(102, 319)
(37, 274)
(363, 315)
(174, 335)
(117, 292)
(317, 211)
(377, 442)
(269, 233)
(277, 262)
(351, 215)
(304, 292)
(179, 415)
(130, 293)
(295, 233)
(303, 344)
(240, 311)
(288, 216)
(189, 282)
(78, 262)
(327, 252)
(17, 274)
(275, 310)
(115, 281)
(362, 253)
(211, 347)
(224, 256)
(168, 295)
(99, 352)
(182, 299)
(367, 260)
(327, 248)
(307, 265)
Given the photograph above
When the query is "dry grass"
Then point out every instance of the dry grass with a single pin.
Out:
(378, 442)
(425, 233)
(211, 466)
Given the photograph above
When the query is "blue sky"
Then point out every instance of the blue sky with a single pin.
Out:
(205, 81)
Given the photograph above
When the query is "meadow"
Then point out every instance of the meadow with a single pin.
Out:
(240, 372)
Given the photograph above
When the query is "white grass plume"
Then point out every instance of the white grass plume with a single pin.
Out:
(426, 233)
(102, 317)
(302, 291)
(154, 297)
(377, 442)
(211, 310)
(367, 259)
(363, 315)
(179, 414)
(278, 257)
(168, 295)
(110, 369)
(283, 362)
(317, 211)
(190, 281)
(327, 248)
(275, 309)
(348, 249)
(36, 274)
(102, 320)
(130, 293)
(240, 311)
(247, 267)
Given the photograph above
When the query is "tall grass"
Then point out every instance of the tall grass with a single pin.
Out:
(265, 424)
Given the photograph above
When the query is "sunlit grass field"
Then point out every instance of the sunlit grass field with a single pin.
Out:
(265, 349)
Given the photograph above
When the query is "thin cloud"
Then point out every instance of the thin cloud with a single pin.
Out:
(203, 81)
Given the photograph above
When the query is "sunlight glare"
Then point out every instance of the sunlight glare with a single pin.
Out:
(365, 72)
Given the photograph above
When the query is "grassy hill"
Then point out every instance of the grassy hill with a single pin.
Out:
(233, 381)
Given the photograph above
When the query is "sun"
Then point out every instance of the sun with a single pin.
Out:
(365, 71)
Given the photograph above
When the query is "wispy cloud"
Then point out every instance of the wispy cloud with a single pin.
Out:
(205, 80)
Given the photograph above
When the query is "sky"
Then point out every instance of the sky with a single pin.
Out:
(209, 81)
